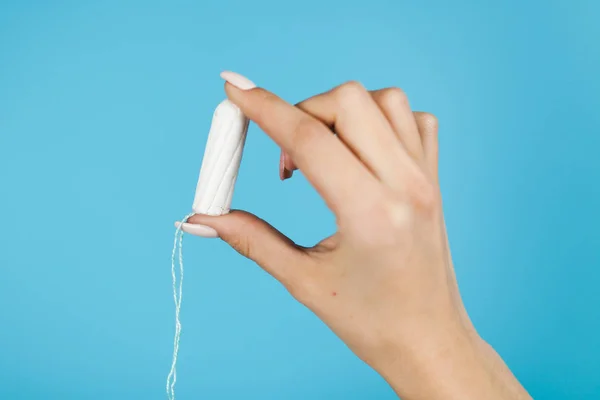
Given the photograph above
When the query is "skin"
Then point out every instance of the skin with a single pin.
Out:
(384, 282)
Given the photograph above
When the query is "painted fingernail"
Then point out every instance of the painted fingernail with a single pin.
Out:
(237, 80)
(287, 174)
(284, 173)
(288, 163)
(281, 166)
(197, 230)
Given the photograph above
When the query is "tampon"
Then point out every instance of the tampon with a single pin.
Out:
(221, 162)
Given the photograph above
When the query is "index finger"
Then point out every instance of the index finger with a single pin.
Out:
(330, 166)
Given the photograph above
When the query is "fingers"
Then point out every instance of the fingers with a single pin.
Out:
(428, 131)
(394, 104)
(329, 165)
(255, 239)
(355, 117)
(405, 124)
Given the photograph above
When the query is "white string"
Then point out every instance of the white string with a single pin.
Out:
(177, 292)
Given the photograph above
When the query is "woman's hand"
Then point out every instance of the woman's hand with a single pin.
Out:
(384, 282)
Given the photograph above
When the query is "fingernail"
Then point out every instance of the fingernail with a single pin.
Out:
(237, 80)
(287, 174)
(284, 173)
(281, 166)
(288, 166)
(288, 163)
(197, 230)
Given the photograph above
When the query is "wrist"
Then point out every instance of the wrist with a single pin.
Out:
(455, 363)
(425, 364)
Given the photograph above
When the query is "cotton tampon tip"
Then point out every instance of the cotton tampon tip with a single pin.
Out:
(197, 230)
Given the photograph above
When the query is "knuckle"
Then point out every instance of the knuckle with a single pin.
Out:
(242, 245)
(397, 215)
(351, 91)
(430, 119)
(428, 122)
(381, 223)
(388, 225)
(240, 239)
(429, 199)
(393, 97)
(423, 195)
(305, 132)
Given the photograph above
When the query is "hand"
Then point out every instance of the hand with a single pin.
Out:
(384, 282)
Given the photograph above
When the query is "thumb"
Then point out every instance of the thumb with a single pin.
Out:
(255, 239)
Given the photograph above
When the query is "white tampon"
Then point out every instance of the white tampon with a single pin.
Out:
(221, 161)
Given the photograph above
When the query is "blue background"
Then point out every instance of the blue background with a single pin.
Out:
(104, 111)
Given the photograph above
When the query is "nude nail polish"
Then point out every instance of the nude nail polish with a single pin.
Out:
(237, 80)
(197, 230)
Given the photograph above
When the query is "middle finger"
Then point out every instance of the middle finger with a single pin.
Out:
(354, 116)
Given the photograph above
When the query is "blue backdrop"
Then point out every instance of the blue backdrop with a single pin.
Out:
(104, 111)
